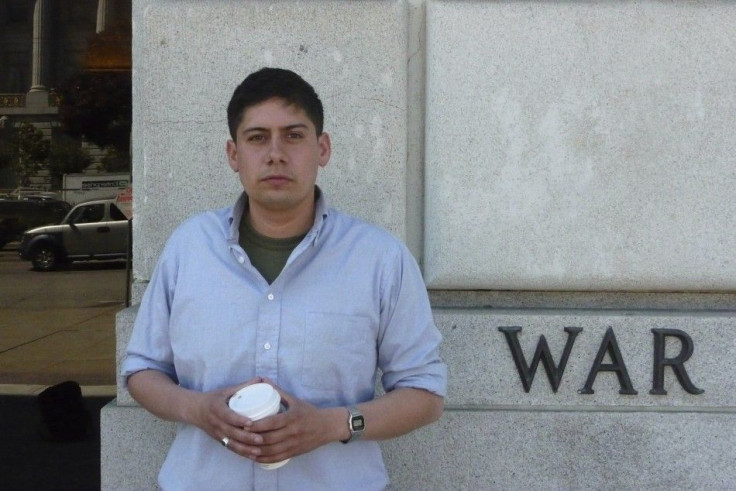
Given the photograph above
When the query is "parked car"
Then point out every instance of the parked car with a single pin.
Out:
(91, 230)
(19, 215)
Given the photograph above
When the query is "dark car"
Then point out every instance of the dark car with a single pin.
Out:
(91, 230)
(19, 215)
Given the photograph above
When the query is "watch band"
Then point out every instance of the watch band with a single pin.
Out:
(356, 424)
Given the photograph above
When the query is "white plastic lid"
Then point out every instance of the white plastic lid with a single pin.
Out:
(256, 401)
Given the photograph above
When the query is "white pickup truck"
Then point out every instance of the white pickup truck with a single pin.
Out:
(91, 230)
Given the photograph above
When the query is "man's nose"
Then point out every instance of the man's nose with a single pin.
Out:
(276, 150)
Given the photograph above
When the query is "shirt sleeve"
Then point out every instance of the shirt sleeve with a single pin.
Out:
(150, 344)
(408, 347)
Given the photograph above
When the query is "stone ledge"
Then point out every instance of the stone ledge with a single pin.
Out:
(123, 329)
(482, 370)
(563, 450)
(568, 450)
(133, 447)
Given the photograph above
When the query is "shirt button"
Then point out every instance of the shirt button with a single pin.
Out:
(241, 259)
(267, 346)
(270, 296)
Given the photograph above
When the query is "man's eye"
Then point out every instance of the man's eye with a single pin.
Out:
(256, 138)
(295, 136)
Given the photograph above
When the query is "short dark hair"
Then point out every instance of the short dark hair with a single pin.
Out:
(268, 83)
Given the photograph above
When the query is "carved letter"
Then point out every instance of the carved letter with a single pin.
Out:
(677, 363)
(554, 373)
(609, 345)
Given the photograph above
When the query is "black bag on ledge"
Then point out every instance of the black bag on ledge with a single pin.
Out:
(65, 418)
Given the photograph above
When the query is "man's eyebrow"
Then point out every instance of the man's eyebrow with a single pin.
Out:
(283, 128)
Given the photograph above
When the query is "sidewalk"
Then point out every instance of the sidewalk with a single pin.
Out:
(42, 348)
(58, 326)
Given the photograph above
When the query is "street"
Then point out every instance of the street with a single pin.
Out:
(59, 325)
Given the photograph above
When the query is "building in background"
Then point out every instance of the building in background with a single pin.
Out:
(44, 43)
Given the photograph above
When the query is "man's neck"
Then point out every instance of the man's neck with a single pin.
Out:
(281, 224)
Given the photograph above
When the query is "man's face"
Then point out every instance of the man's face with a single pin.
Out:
(277, 154)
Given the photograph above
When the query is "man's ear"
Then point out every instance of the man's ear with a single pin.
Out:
(325, 148)
(232, 154)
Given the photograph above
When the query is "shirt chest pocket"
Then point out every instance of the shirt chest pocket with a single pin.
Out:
(339, 351)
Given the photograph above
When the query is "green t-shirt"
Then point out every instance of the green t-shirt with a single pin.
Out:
(267, 255)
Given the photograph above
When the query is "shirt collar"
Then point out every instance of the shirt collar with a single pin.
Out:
(321, 211)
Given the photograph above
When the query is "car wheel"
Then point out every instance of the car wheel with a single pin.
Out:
(45, 258)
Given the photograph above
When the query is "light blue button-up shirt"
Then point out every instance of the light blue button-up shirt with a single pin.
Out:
(349, 301)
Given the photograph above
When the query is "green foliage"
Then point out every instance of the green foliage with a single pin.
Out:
(115, 161)
(66, 156)
(24, 149)
(30, 152)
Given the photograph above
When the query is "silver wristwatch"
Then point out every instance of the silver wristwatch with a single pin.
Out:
(356, 424)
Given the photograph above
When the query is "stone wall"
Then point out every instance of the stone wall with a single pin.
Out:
(561, 170)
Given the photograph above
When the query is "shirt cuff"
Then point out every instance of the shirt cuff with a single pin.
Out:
(135, 364)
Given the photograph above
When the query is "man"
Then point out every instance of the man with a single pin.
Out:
(282, 289)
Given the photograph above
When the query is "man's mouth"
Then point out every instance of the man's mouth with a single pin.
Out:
(276, 179)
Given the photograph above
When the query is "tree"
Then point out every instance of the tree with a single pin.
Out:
(115, 162)
(66, 156)
(29, 152)
(96, 103)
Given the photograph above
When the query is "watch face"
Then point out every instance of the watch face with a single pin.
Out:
(358, 423)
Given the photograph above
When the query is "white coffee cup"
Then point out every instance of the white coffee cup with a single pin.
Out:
(256, 402)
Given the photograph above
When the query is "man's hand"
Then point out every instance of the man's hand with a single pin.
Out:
(300, 429)
(213, 415)
(304, 427)
(209, 411)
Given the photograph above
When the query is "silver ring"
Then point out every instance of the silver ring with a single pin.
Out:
(225, 442)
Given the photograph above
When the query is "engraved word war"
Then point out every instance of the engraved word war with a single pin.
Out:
(609, 346)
